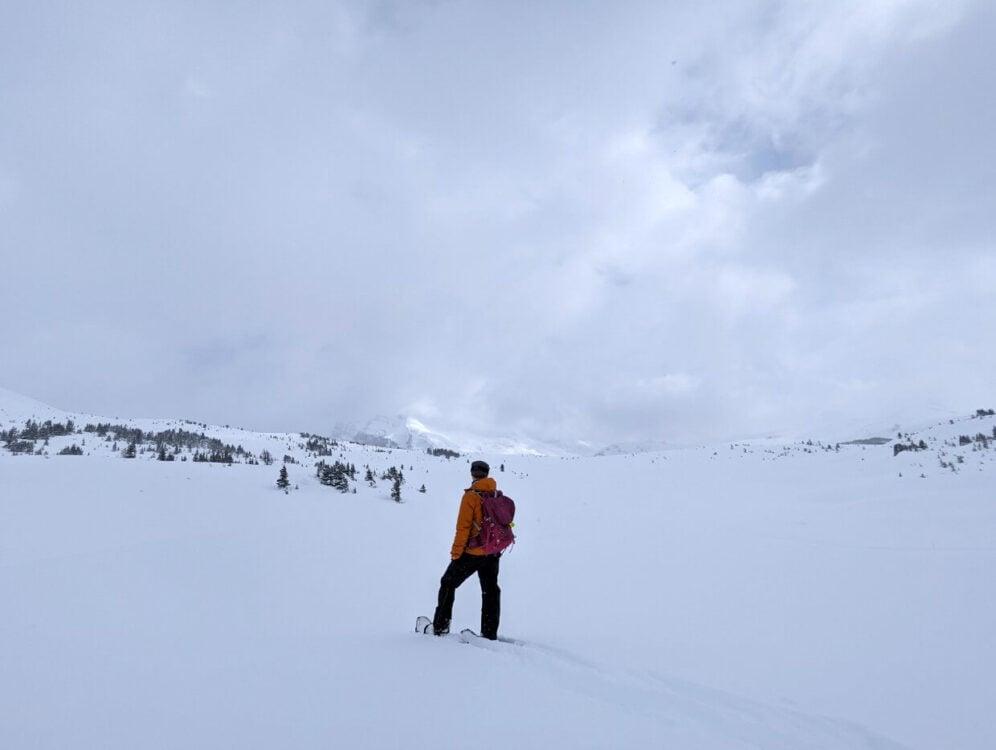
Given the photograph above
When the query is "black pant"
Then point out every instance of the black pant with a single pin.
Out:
(459, 570)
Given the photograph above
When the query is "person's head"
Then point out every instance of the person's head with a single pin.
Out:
(479, 469)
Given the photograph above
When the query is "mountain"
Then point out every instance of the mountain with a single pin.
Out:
(393, 432)
(412, 434)
(383, 432)
(409, 433)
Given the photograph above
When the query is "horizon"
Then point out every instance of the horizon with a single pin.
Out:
(485, 443)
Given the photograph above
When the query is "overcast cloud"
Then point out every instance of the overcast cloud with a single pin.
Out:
(600, 220)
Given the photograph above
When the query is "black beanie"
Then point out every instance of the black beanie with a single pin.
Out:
(479, 469)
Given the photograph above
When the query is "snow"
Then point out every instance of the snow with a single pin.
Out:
(754, 595)
(412, 433)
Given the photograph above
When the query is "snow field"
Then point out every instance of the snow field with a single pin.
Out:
(705, 598)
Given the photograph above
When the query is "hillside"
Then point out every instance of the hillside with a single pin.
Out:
(749, 595)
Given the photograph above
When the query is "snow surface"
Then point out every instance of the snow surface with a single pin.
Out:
(738, 596)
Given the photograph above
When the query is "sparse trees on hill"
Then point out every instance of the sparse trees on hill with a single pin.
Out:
(41, 431)
(980, 438)
(911, 446)
(21, 446)
(444, 452)
(214, 457)
(318, 445)
(216, 451)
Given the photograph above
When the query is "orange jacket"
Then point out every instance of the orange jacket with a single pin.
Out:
(468, 523)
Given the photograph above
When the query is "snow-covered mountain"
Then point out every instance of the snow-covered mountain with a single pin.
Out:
(394, 432)
(413, 434)
(400, 432)
(408, 433)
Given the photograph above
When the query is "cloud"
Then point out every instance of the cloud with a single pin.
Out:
(566, 219)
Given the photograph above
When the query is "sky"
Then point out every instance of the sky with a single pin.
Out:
(570, 220)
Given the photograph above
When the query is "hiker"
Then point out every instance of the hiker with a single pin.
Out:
(467, 558)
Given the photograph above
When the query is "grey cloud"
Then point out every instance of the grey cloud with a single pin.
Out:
(508, 216)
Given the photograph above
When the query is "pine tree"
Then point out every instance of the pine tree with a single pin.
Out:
(283, 482)
(335, 475)
(341, 481)
(131, 451)
(396, 489)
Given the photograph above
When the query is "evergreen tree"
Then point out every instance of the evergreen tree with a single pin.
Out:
(334, 475)
(341, 482)
(396, 489)
(393, 474)
(283, 481)
(131, 451)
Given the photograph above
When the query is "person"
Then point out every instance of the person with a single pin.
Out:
(467, 558)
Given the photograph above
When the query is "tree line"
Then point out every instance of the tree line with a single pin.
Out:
(338, 475)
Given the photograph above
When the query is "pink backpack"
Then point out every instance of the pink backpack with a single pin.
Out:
(495, 534)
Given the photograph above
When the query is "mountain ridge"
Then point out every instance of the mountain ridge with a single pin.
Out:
(409, 433)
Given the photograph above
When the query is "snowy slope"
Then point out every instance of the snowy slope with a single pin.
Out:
(740, 596)
(412, 434)
(16, 409)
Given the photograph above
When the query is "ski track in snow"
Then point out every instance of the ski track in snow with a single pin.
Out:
(695, 716)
